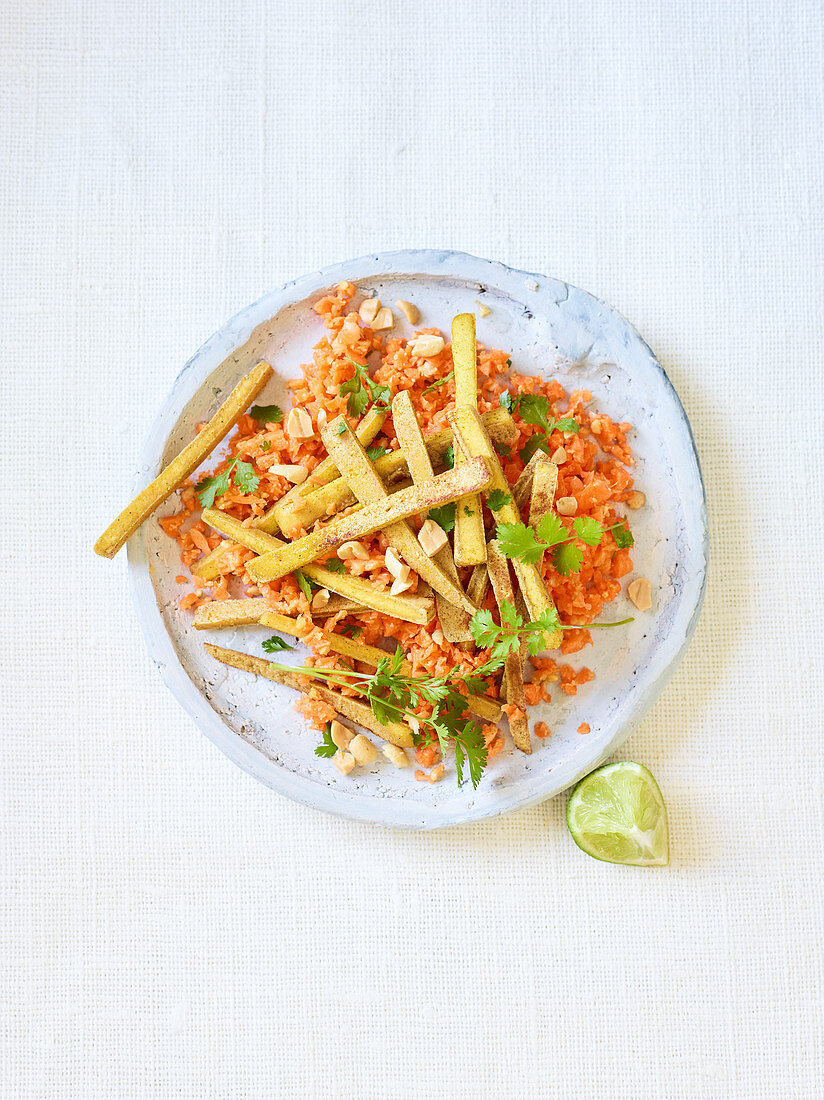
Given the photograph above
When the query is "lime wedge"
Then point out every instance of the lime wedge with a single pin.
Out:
(617, 814)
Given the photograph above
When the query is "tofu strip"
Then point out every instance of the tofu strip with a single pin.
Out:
(173, 476)
(358, 471)
(474, 441)
(221, 614)
(397, 733)
(542, 495)
(324, 472)
(413, 609)
(453, 619)
(514, 664)
(308, 507)
(472, 477)
(470, 538)
(481, 705)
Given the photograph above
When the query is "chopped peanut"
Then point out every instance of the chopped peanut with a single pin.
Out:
(410, 312)
(369, 310)
(636, 500)
(427, 345)
(344, 762)
(341, 735)
(320, 599)
(296, 474)
(559, 457)
(363, 750)
(349, 550)
(640, 592)
(299, 424)
(482, 309)
(395, 755)
(395, 564)
(322, 418)
(566, 506)
(401, 584)
(432, 537)
(383, 319)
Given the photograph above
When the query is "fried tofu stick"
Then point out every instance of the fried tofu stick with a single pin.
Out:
(323, 473)
(226, 613)
(470, 538)
(358, 471)
(413, 609)
(473, 440)
(454, 620)
(307, 509)
(542, 495)
(514, 663)
(472, 477)
(173, 476)
(397, 733)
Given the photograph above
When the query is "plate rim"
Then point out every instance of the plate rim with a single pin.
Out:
(227, 339)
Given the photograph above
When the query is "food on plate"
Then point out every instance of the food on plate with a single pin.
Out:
(433, 526)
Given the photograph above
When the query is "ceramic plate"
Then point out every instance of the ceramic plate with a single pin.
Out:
(550, 329)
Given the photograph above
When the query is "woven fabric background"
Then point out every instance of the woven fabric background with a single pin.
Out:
(172, 929)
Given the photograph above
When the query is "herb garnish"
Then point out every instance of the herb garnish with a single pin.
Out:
(376, 452)
(304, 584)
(266, 414)
(334, 565)
(440, 382)
(211, 487)
(270, 645)
(529, 544)
(444, 517)
(533, 408)
(497, 499)
(363, 391)
(327, 748)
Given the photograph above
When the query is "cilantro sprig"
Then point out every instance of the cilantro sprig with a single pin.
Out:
(393, 695)
(503, 639)
(211, 487)
(529, 544)
(444, 517)
(440, 382)
(271, 645)
(361, 391)
(533, 408)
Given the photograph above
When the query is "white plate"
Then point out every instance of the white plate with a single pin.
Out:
(549, 328)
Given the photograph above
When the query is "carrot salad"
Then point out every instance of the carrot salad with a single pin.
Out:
(593, 469)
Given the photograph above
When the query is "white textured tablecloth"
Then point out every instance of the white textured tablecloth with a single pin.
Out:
(172, 929)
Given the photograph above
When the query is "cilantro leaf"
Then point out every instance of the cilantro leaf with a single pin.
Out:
(533, 408)
(503, 450)
(536, 442)
(266, 445)
(357, 398)
(376, 452)
(483, 628)
(440, 382)
(567, 424)
(449, 457)
(334, 565)
(546, 623)
(212, 487)
(507, 401)
(623, 536)
(497, 499)
(588, 530)
(468, 511)
(341, 428)
(245, 478)
(351, 630)
(327, 748)
(274, 643)
(444, 517)
(518, 541)
(266, 414)
(567, 558)
(551, 529)
(470, 745)
(304, 585)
